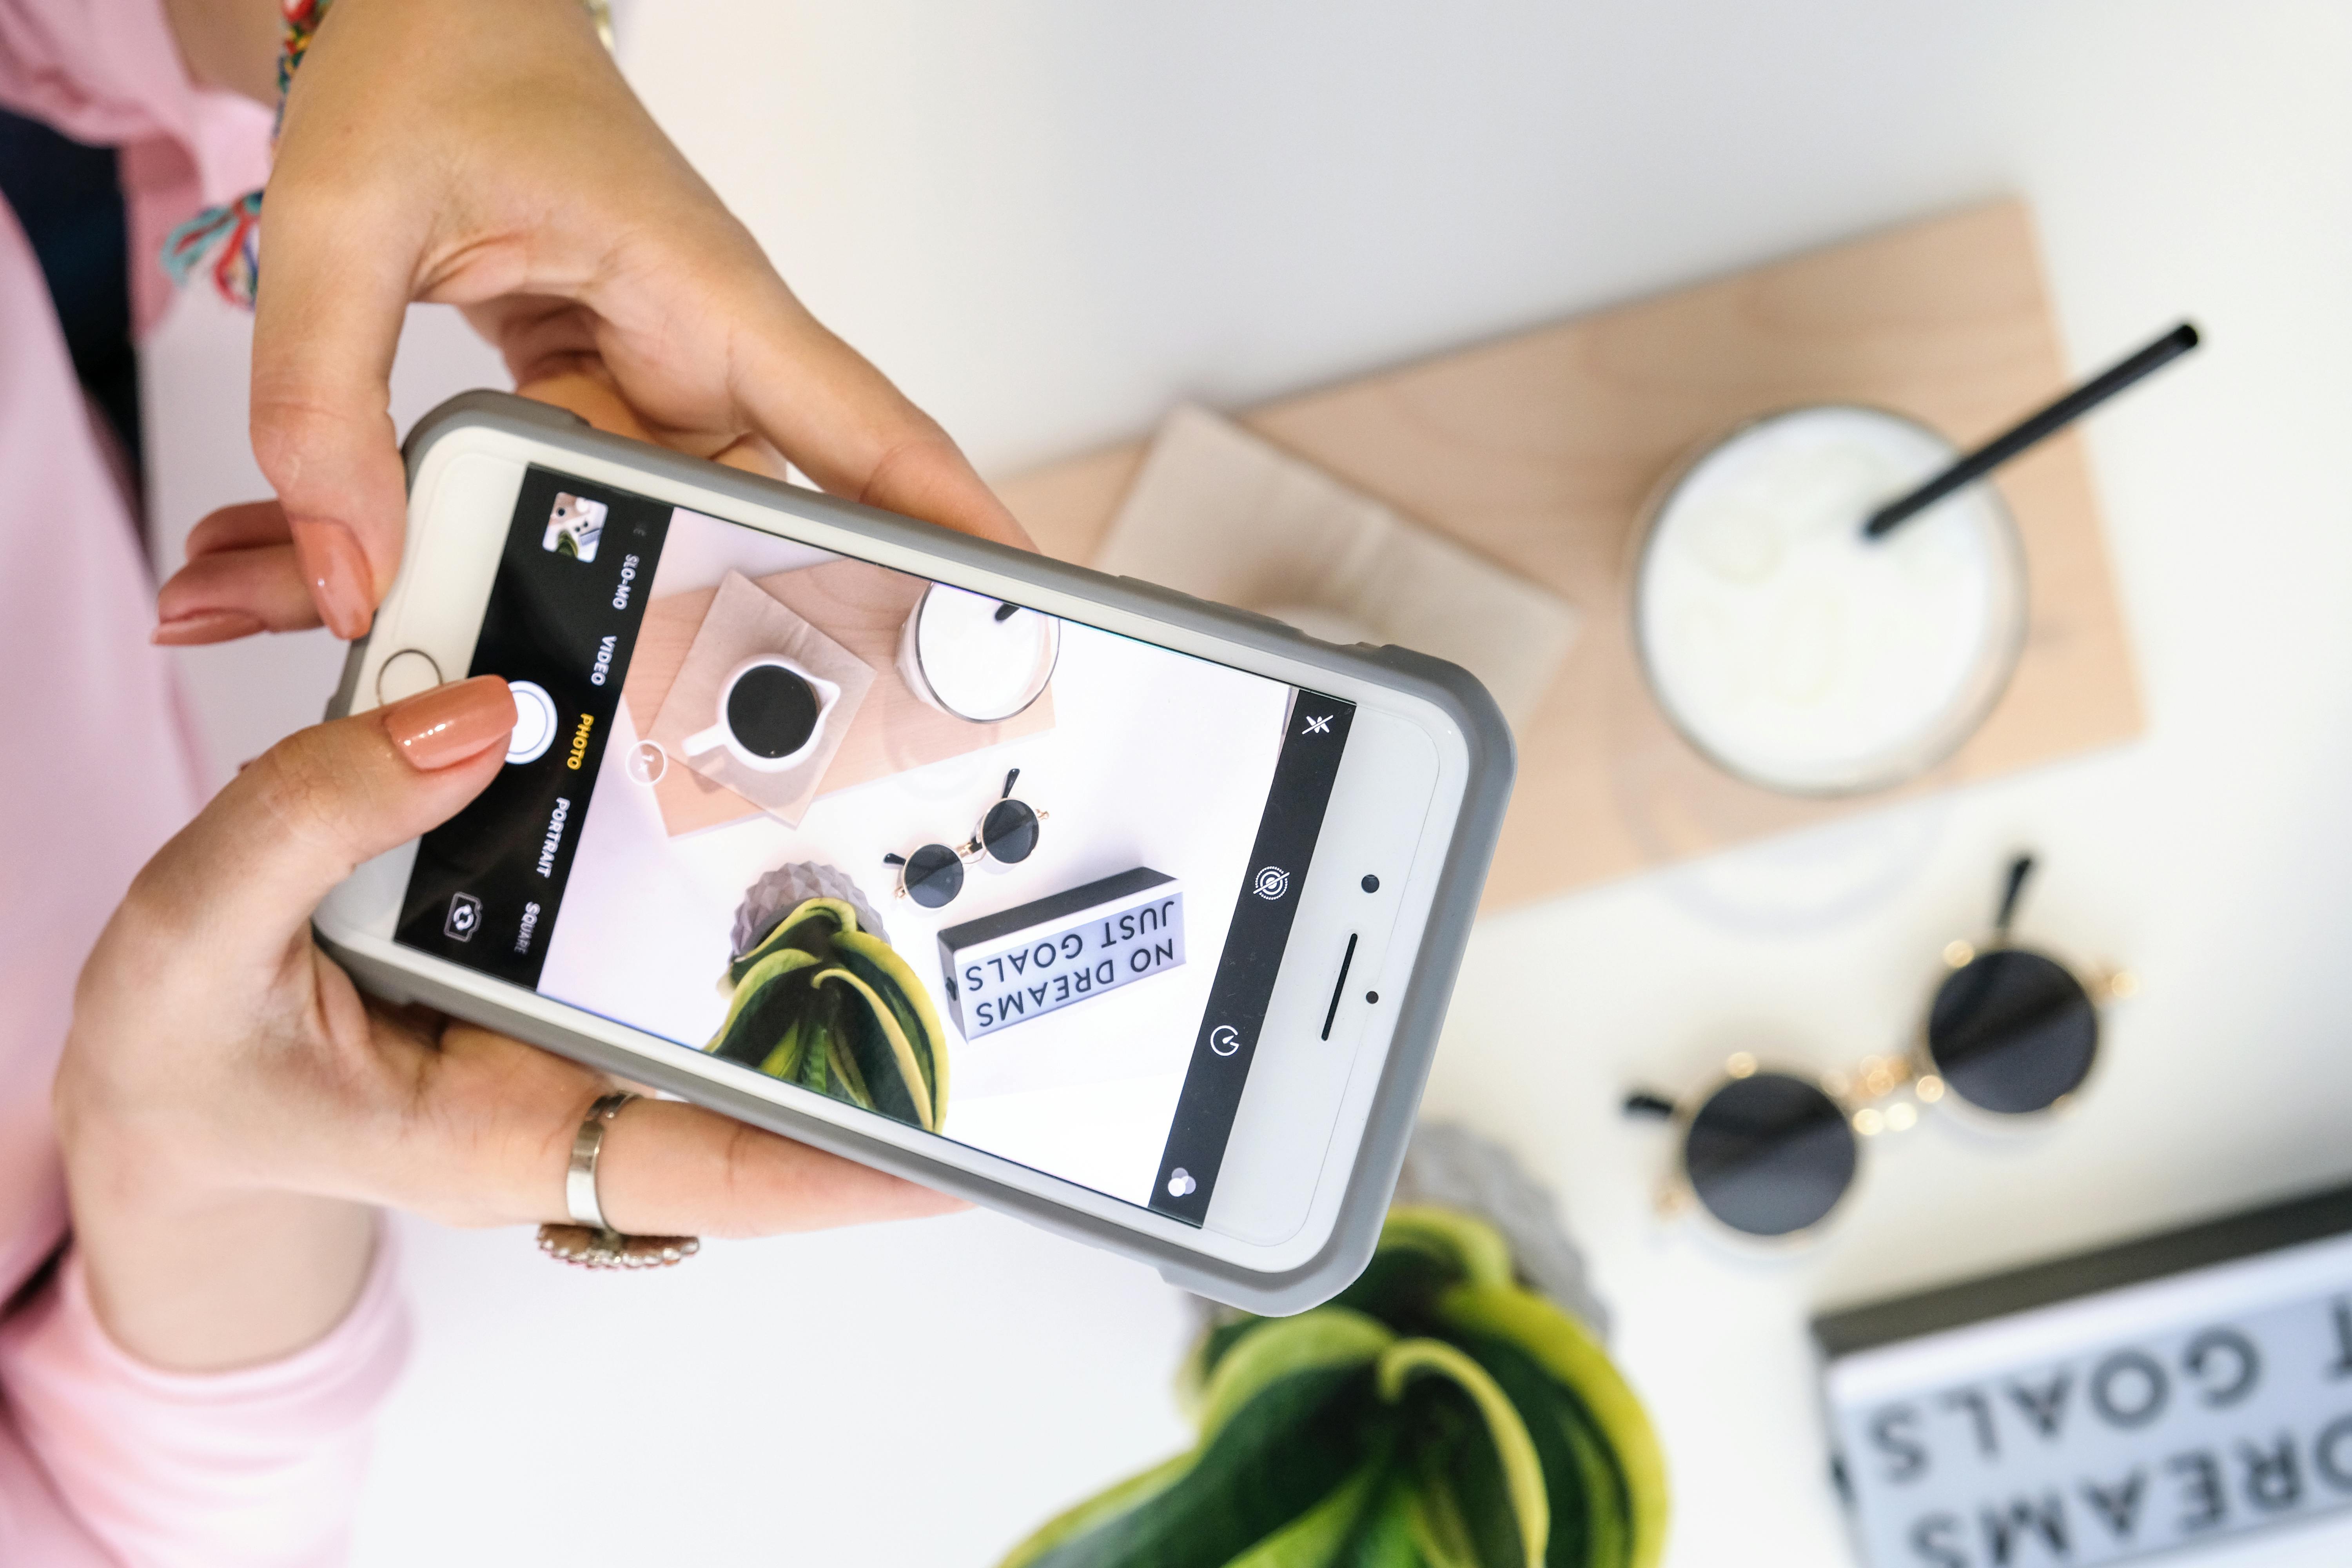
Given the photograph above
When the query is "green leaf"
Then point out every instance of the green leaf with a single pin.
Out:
(810, 927)
(1571, 1357)
(1474, 1249)
(1314, 1539)
(1588, 1507)
(816, 1058)
(765, 1003)
(1328, 1337)
(1522, 1471)
(1466, 1456)
(1285, 1450)
(885, 1057)
(1385, 1539)
(878, 963)
(1401, 1287)
(1607, 1520)
(1209, 1352)
(784, 1060)
(1073, 1523)
(1434, 1415)
(849, 1083)
(1433, 1521)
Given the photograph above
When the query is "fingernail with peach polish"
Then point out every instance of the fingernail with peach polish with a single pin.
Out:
(335, 569)
(204, 627)
(449, 723)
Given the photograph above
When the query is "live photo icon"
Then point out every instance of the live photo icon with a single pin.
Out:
(464, 917)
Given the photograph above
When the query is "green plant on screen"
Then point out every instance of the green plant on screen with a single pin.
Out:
(823, 1003)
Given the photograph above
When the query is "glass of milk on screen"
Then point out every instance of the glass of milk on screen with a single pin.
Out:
(976, 657)
(1793, 651)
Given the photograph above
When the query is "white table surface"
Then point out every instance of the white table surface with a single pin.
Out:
(1049, 222)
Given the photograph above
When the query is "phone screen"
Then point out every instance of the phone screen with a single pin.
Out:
(1014, 880)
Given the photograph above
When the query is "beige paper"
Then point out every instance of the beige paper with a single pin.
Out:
(742, 624)
(1222, 514)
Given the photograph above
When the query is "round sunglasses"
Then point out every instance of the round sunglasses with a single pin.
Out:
(1008, 831)
(2011, 1032)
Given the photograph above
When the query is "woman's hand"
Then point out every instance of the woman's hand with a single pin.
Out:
(493, 157)
(230, 1107)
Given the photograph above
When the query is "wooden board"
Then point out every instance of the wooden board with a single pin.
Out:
(1541, 451)
(858, 604)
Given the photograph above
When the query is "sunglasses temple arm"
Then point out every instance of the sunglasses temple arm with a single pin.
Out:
(2018, 870)
(1643, 1103)
(1008, 784)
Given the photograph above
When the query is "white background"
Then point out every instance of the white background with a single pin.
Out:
(1049, 222)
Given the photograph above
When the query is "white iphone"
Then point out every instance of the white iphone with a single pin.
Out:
(1126, 913)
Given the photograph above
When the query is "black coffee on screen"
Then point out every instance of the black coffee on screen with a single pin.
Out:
(771, 711)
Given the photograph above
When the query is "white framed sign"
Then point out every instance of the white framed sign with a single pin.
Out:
(1022, 963)
(2181, 1389)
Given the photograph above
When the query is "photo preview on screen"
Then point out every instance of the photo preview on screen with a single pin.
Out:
(1012, 880)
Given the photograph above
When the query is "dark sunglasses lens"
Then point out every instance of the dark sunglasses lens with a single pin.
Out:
(1769, 1155)
(1009, 831)
(934, 876)
(2012, 1031)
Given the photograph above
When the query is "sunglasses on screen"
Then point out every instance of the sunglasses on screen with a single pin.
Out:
(933, 875)
(2011, 1032)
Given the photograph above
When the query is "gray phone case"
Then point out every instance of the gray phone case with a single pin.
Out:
(1423, 1008)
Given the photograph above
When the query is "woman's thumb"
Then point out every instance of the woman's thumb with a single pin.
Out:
(324, 801)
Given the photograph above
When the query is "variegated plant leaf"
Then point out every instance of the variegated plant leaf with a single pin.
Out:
(1573, 1358)
(1295, 1442)
(1522, 1489)
(1588, 1521)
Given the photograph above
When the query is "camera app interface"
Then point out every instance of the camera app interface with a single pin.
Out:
(1011, 880)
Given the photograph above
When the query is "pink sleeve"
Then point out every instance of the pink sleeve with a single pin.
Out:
(100, 1454)
(109, 72)
(256, 1467)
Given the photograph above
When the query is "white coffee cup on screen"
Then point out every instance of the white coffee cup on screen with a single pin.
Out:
(771, 714)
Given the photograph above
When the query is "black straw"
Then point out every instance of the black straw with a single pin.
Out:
(2033, 429)
(2019, 869)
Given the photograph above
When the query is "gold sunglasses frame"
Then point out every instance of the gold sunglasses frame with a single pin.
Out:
(1886, 1093)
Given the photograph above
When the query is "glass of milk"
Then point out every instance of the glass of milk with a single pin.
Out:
(1796, 653)
(977, 658)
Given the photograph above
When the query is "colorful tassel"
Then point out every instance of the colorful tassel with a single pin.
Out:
(230, 234)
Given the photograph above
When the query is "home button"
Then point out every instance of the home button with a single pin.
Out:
(404, 674)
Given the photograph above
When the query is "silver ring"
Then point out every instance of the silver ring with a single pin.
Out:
(580, 1181)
